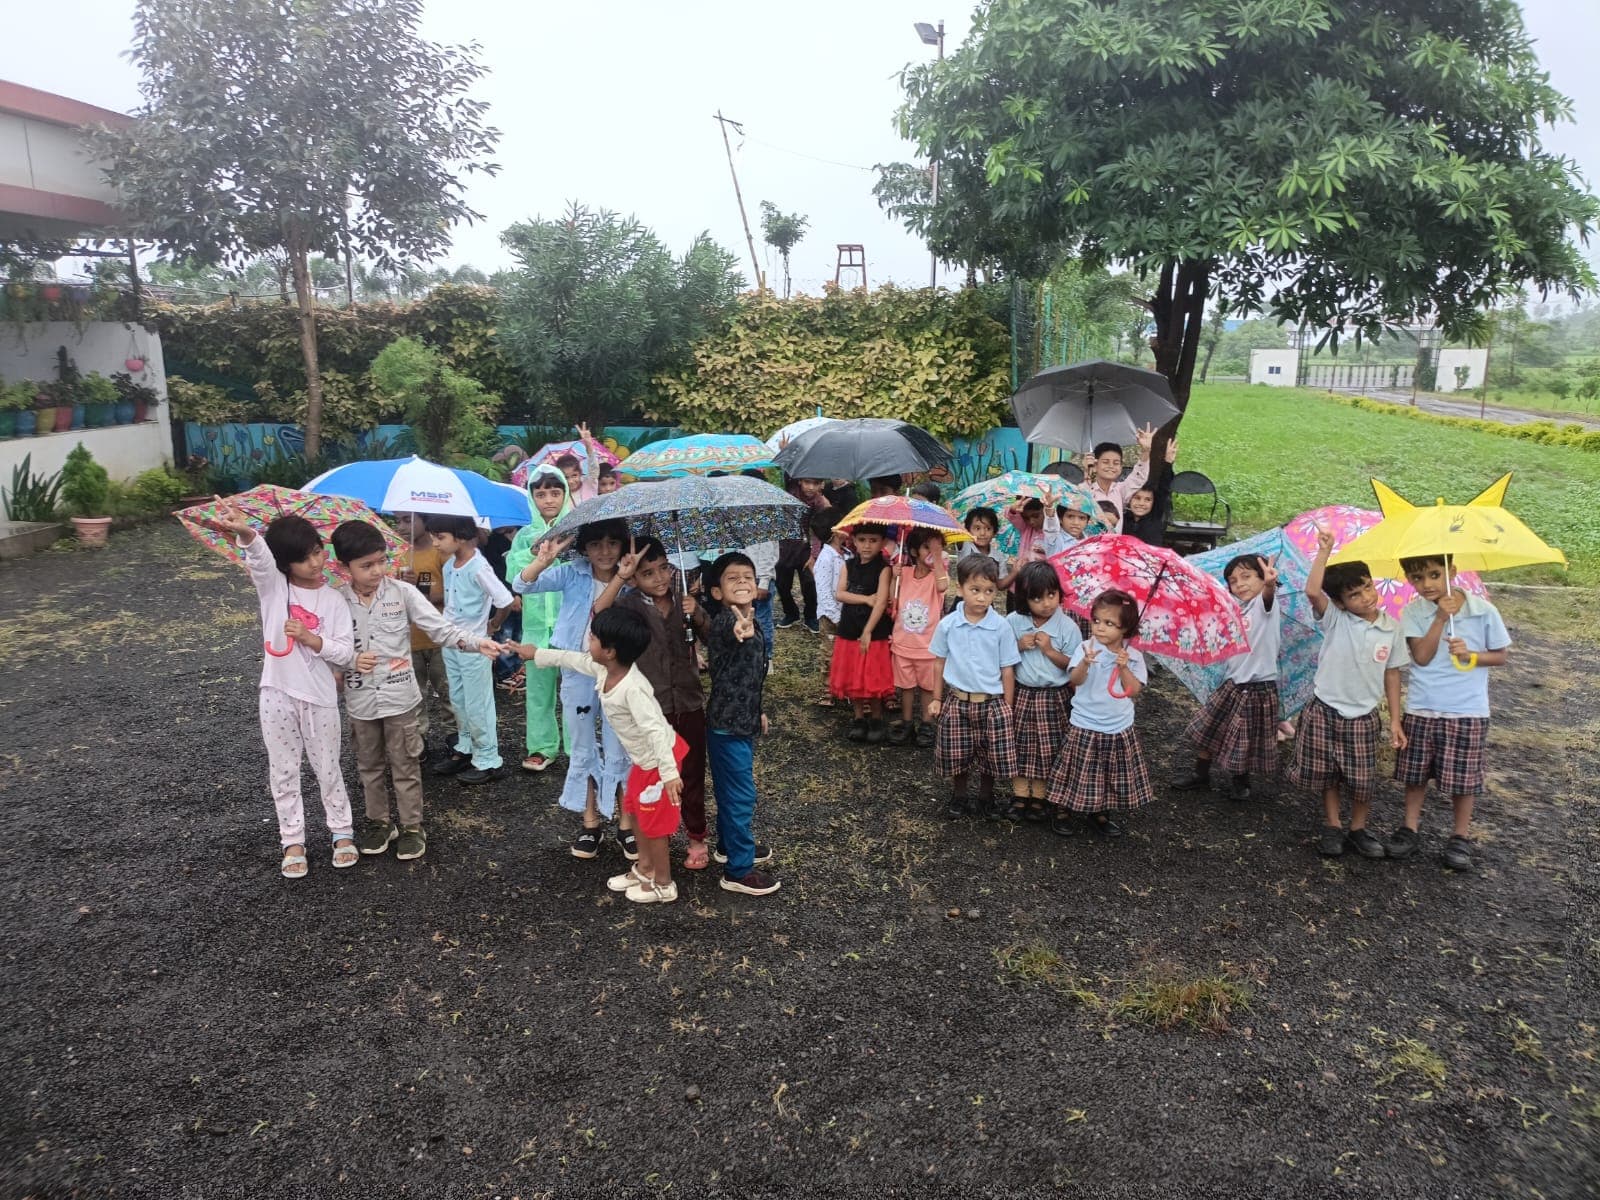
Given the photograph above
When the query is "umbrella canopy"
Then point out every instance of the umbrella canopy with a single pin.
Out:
(1009, 487)
(551, 451)
(693, 513)
(1480, 535)
(1347, 523)
(794, 429)
(905, 512)
(866, 448)
(1183, 612)
(265, 503)
(1075, 407)
(698, 454)
(416, 485)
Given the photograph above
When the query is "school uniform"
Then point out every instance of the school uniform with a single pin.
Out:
(1043, 705)
(1102, 769)
(976, 731)
(1237, 727)
(854, 675)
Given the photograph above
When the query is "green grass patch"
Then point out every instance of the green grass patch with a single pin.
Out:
(1168, 998)
(1276, 452)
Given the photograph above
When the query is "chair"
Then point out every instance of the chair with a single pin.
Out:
(1202, 534)
(1064, 468)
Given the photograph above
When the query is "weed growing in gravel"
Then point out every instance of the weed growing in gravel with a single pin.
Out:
(1406, 1056)
(1164, 997)
(1038, 963)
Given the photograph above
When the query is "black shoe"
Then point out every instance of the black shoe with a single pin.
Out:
(1364, 844)
(875, 731)
(997, 808)
(1196, 779)
(763, 855)
(1109, 827)
(899, 733)
(1239, 788)
(629, 844)
(857, 731)
(753, 883)
(1331, 843)
(587, 843)
(814, 626)
(956, 808)
(1403, 843)
(451, 764)
(927, 734)
(479, 775)
(1458, 853)
(786, 622)
(1064, 825)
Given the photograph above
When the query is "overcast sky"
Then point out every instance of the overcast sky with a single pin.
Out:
(610, 102)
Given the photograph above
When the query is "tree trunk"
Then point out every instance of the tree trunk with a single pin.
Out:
(1179, 308)
(785, 274)
(301, 270)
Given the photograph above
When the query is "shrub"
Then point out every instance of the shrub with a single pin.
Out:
(447, 411)
(85, 486)
(156, 490)
(31, 497)
(95, 388)
(1544, 432)
(202, 403)
(349, 406)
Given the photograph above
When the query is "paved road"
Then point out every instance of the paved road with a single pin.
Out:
(1469, 408)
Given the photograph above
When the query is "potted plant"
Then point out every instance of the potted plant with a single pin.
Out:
(141, 396)
(44, 409)
(13, 400)
(86, 487)
(100, 400)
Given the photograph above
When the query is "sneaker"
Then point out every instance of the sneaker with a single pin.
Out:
(1458, 853)
(413, 843)
(813, 626)
(899, 732)
(535, 762)
(376, 836)
(1239, 788)
(621, 883)
(479, 775)
(763, 855)
(857, 731)
(1331, 843)
(927, 734)
(587, 843)
(753, 884)
(629, 843)
(648, 891)
(1403, 843)
(1197, 778)
(1364, 844)
(786, 622)
(451, 763)
(875, 731)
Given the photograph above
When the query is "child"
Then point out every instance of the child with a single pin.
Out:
(976, 655)
(607, 481)
(380, 687)
(927, 490)
(983, 524)
(1102, 472)
(827, 572)
(1047, 637)
(1452, 638)
(861, 671)
(733, 719)
(1238, 724)
(299, 697)
(423, 568)
(797, 558)
(669, 663)
(547, 488)
(919, 605)
(884, 485)
(582, 475)
(1150, 504)
(617, 639)
(1359, 664)
(1101, 769)
(595, 773)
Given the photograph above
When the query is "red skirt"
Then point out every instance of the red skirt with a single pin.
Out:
(655, 814)
(856, 676)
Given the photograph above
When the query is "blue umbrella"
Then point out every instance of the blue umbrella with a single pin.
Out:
(697, 454)
(417, 485)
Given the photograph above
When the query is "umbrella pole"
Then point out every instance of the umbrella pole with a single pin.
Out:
(1471, 661)
(683, 587)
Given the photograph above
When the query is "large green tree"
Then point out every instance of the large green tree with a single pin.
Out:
(597, 307)
(296, 127)
(1346, 165)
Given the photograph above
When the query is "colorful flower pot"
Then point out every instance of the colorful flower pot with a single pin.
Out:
(134, 364)
(122, 412)
(141, 411)
(51, 293)
(27, 422)
(44, 419)
(64, 418)
(78, 416)
(8, 423)
(98, 416)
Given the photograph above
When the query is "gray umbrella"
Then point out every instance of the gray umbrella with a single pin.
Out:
(1078, 406)
(695, 512)
(866, 448)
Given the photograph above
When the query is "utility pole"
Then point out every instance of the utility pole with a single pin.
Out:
(933, 36)
(755, 263)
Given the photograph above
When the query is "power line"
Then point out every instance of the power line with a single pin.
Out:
(833, 162)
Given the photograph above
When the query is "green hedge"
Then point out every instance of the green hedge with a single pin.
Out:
(1546, 433)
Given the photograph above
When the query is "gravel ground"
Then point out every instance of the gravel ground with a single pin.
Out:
(488, 1021)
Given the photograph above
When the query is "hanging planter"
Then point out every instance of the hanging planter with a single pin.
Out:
(51, 293)
(135, 361)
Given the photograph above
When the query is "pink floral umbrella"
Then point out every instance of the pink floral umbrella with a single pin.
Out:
(1347, 522)
(554, 450)
(1183, 612)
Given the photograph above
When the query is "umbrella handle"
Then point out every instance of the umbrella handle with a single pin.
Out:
(1114, 686)
(1465, 664)
(284, 653)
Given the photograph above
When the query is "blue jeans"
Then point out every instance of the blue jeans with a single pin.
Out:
(733, 776)
(763, 615)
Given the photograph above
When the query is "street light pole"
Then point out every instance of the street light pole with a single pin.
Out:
(932, 36)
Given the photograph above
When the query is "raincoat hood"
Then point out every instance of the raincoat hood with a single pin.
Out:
(539, 612)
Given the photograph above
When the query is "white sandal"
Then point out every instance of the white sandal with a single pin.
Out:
(355, 855)
(294, 866)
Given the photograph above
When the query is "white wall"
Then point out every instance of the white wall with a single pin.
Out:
(29, 352)
(1275, 368)
(49, 157)
(1475, 361)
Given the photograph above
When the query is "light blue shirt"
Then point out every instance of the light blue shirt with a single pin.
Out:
(576, 583)
(471, 591)
(975, 653)
(1354, 656)
(1093, 705)
(1035, 670)
(1440, 687)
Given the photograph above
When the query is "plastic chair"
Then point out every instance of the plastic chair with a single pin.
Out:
(1207, 532)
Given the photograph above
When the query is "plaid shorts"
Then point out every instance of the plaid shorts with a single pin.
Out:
(1238, 728)
(975, 736)
(1329, 748)
(1100, 772)
(1040, 716)
(1449, 749)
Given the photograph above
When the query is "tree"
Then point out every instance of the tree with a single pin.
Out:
(1212, 336)
(784, 231)
(447, 411)
(293, 128)
(1347, 168)
(598, 306)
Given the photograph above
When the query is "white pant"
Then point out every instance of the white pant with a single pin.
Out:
(291, 729)
(604, 762)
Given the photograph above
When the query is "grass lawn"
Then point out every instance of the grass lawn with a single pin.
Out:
(1276, 452)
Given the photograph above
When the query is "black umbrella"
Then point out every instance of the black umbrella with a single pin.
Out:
(866, 448)
(1079, 406)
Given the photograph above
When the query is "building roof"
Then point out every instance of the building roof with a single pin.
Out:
(49, 187)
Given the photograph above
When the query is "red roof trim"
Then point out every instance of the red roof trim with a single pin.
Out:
(57, 110)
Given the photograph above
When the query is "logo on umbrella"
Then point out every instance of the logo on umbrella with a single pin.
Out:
(421, 497)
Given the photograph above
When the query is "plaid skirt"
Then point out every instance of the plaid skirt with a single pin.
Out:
(1237, 728)
(1100, 772)
(975, 736)
(1449, 749)
(1040, 716)
(1329, 748)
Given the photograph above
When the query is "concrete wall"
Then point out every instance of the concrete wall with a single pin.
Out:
(1275, 368)
(1475, 361)
(29, 352)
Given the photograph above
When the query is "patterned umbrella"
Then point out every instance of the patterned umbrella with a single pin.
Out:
(905, 512)
(554, 450)
(1007, 488)
(794, 429)
(698, 455)
(265, 503)
(1183, 612)
(693, 513)
(1347, 522)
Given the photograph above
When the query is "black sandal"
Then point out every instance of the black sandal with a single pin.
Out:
(1038, 811)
